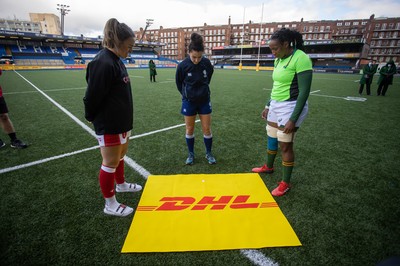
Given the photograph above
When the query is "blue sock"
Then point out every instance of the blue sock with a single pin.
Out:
(208, 142)
(190, 143)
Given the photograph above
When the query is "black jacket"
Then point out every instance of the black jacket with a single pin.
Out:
(193, 80)
(108, 98)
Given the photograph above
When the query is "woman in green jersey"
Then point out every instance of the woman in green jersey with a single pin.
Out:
(287, 107)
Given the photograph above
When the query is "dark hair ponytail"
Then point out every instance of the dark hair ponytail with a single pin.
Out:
(293, 37)
(196, 43)
(115, 33)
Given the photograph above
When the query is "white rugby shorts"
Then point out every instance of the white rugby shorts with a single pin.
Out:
(280, 112)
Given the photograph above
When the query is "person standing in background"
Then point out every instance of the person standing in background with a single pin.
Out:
(386, 77)
(368, 74)
(153, 71)
(7, 125)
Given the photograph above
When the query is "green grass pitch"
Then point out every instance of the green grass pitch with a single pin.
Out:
(344, 205)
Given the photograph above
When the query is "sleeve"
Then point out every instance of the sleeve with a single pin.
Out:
(179, 78)
(211, 72)
(393, 70)
(99, 79)
(304, 78)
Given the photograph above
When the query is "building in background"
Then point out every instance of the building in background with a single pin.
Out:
(40, 23)
(376, 38)
(49, 23)
(20, 25)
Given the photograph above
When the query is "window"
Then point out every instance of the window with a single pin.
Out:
(384, 26)
(279, 26)
(339, 24)
(377, 26)
(305, 29)
(347, 23)
(322, 28)
(310, 29)
(355, 23)
(316, 28)
(328, 28)
(364, 23)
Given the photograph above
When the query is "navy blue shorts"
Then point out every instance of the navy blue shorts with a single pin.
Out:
(193, 108)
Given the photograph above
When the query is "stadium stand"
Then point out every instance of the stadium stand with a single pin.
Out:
(42, 52)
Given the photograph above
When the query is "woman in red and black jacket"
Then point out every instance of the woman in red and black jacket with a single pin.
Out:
(109, 106)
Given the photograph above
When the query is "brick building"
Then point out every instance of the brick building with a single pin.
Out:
(378, 38)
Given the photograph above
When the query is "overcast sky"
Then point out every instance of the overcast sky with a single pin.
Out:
(88, 17)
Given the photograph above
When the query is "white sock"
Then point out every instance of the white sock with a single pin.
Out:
(112, 203)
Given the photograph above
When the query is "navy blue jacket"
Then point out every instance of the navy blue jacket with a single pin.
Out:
(108, 98)
(193, 80)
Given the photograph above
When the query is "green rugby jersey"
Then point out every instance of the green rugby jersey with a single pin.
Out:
(285, 78)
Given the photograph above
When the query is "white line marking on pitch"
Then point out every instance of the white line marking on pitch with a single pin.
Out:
(21, 166)
(143, 171)
(129, 161)
(258, 258)
(66, 89)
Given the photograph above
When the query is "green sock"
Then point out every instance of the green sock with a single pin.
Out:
(287, 171)
(271, 158)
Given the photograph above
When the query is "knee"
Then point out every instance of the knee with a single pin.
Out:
(189, 130)
(286, 147)
(4, 117)
(112, 163)
(207, 132)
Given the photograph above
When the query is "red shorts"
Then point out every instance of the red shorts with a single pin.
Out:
(108, 140)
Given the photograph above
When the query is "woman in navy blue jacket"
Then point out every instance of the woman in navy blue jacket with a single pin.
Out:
(193, 77)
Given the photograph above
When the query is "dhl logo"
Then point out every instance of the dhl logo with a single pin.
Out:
(182, 203)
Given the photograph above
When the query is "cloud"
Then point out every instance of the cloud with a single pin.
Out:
(88, 17)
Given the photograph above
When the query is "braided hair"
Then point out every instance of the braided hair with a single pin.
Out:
(293, 37)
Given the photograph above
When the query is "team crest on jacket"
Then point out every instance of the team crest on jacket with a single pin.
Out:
(205, 73)
(126, 79)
